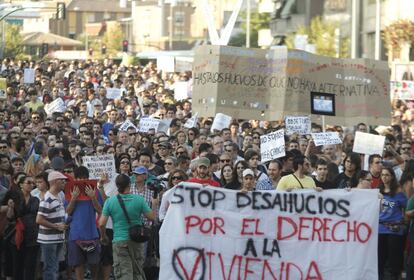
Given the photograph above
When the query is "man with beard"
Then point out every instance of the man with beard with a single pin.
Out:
(201, 173)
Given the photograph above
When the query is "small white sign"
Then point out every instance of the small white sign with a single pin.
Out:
(166, 63)
(220, 121)
(326, 138)
(272, 145)
(127, 124)
(99, 165)
(57, 105)
(113, 93)
(298, 124)
(368, 144)
(29, 76)
(192, 122)
(181, 90)
(145, 124)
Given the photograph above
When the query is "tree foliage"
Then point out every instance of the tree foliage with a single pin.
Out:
(13, 41)
(322, 35)
(257, 21)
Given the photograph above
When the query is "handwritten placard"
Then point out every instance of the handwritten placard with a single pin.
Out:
(113, 93)
(192, 122)
(181, 90)
(57, 105)
(220, 121)
(298, 124)
(29, 76)
(99, 165)
(326, 138)
(272, 145)
(146, 124)
(127, 124)
(368, 144)
(213, 233)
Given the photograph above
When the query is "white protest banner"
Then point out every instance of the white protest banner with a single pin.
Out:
(298, 124)
(219, 234)
(368, 144)
(29, 76)
(145, 124)
(166, 63)
(113, 93)
(220, 121)
(57, 105)
(98, 165)
(164, 125)
(326, 138)
(191, 122)
(127, 124)
(181, 90)
(272, 145)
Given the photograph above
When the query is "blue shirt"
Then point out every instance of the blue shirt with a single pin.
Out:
(83, 220)
(106, 128)
(392, 212)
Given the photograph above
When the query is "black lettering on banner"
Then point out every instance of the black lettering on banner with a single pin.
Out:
(308, 198)
(243, 200)
(250, 247)
(180, 267)
(342, 205)
(177, 198)
(275, 248)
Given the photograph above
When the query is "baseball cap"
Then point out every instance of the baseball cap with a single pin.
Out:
(140, 170)
(55, 175)
(248, 172)
(57, 163)
(202, 161)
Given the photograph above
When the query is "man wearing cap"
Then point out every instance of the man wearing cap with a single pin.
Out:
(139, 185)
(201, 173)
(248, 180)
(51, 220)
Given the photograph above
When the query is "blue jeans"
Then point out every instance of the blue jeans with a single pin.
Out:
(50, 254)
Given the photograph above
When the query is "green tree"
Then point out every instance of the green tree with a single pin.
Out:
(322, 34)
(257, 21)
(113, 38)
(13, 41)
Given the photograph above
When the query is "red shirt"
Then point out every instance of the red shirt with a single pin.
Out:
(209, 181)
(375, 182)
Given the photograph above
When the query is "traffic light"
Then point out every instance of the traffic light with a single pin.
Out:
(61, 10)
(125, 45)
(45, 49)
(103, 49)
(90, 51)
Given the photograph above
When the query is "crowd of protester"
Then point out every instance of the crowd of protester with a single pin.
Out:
(48, 233)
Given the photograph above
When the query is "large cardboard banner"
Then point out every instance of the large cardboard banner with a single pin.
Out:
(212, 233)
(270, 84)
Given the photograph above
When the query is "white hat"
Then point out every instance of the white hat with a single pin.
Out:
(248, 172)
(55, 175)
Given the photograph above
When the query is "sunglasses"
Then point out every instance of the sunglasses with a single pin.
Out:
(168, 163)
(35, 118)
(60, 120)
(27, 133)
(89, 123)
(177, 178)
(224, 160)
(124, 162)
(3, 147)
(44, 132)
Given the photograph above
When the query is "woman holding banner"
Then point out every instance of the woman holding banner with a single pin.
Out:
(391, 225)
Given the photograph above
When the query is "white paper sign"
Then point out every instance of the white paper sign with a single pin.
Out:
(113, 93)
(98, 165)
(211, 233)
(368, 144)
(192, 122)
(166, 63)
(127, 124)
(272, 145)
(164, 125)
(57, 105)
(300, 125)
(181, 90)
(326, 138)
(29, 76)
(220, 121)
(145, 124)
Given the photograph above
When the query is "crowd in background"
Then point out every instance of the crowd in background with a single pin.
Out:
(48, 233)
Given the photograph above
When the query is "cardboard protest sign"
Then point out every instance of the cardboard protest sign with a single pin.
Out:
(3, 87)
(28, 76)
(113, 93)
(298, 124)
(57, 105)
(81, 184)
(166, 63)
(181, 90)
(220, 121)
(191, 122)
(127, 124)
(368, 144)
(272, 145)
(270, 84)
(211, 233)
(326, 138)
(99, 165)
(145, 124)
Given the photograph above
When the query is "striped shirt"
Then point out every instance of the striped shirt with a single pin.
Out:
(53, 210)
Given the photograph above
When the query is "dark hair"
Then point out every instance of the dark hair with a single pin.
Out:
(43, 175)
(321, 162)
(333, 171)
(298, 160)
(81, 172)
(408, 172)
(222, 180)
(38, 147)
(122, 182)
(394, 184)
(360, 174)
(372, 157)
(241, 162)
(278, 162)
(213, 158)
(182, 174)
(204, 147)
(250, 153)
(355, 159)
